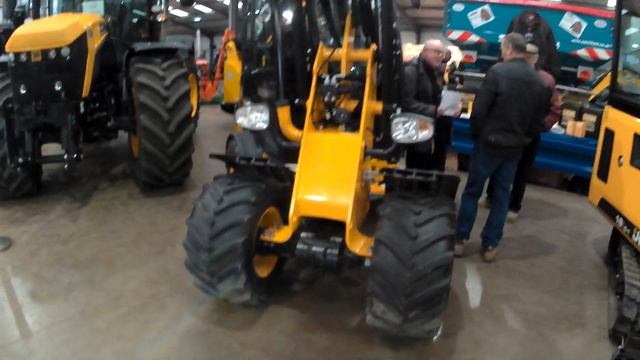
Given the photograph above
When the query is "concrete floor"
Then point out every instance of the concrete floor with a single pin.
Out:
(96, 273)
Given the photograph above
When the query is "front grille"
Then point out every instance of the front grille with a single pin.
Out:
(39, 77)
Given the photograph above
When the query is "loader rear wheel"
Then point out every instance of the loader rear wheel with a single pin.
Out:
(162, 141)
(222, 243)
(411, 267)
(14, 183)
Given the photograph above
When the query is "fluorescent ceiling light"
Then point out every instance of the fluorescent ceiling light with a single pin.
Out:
(226, 2)
(202, 8)
(197, 19)
(239, 4)
(611, 3)
(179, 13)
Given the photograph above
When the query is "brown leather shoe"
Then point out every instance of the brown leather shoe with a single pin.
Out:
(458, 248)
(489, 254)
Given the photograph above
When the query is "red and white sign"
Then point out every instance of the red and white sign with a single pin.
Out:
(469, 57)
(593, 54)
(585, 73)
(464, 37)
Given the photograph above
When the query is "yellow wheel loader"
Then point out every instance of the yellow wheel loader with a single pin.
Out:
(347, 201)
(85, 72)
(615, 184)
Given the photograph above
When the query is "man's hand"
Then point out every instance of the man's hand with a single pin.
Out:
(440, 112)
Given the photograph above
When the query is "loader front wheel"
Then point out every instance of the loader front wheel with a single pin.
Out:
(162, 141)
(410, 274)
(14, 182)
(222, 244)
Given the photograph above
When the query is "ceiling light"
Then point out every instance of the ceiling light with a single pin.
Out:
(197, 19)
(226, 2)
(611, 3)
(179, 13)
(240, 4)
(202, 8)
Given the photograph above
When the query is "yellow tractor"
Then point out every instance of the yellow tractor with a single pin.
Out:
(85, 72)
(615, 184)
(347, 201)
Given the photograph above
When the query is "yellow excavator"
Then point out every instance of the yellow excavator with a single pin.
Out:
(615, 184)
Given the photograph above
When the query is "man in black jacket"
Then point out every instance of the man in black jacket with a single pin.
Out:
(508, 112)
(422, 91)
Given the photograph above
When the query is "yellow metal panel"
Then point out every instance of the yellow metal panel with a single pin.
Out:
(326, 174)
(51, 32)
(622, 189)
(94, 40)
(231, 92)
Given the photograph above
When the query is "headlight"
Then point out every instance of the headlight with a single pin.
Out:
(23, 57)
(52, 54)
(11, 57)
(253, 116)
(65, 51)
(407, 128)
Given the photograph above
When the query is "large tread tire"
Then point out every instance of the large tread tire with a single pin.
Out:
(624, 296)
(411, 267)
(14, 183)
(165, 121)
(221, 235)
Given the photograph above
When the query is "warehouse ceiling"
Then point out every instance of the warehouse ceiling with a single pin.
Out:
(211, 15)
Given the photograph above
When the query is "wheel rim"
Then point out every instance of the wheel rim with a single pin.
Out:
(134, 143)
(193, 94)
(263, 265)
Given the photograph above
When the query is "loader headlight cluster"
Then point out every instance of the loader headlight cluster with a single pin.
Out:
(65, 51)
(408, 128)
(23, 57)
(253, 116)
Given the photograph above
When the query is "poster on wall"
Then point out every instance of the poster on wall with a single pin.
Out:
(573, 24)
(481, 16)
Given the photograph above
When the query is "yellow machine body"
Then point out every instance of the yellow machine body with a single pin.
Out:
(615, 183)
(58, 31)
(329, 182)
(232, 84)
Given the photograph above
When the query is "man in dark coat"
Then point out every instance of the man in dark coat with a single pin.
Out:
(508, 112)
(422, 91)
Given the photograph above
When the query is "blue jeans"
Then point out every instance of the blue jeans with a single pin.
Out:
(483, 166)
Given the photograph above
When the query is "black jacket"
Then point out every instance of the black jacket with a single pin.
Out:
(536, 30)
(509, 108)
(422, 89)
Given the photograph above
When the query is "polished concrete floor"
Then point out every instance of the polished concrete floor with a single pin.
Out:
(96, 273)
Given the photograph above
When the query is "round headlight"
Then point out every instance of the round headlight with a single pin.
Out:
(52, 53)
(23, 57)
(11, 57)
(65, 51)
(58, 85)
(23, 89)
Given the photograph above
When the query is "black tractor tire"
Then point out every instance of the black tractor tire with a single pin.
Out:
(222, 233)
(14, 182)
(411, 266)
(165, 121)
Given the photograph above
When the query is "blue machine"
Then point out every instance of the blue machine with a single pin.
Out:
(567, 154)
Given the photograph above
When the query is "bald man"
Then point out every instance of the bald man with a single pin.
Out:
(422, 91)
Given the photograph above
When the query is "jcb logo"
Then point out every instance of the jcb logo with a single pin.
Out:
(636, 236)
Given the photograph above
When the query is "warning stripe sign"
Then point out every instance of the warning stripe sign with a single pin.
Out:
(464, 37)
(593, 54)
